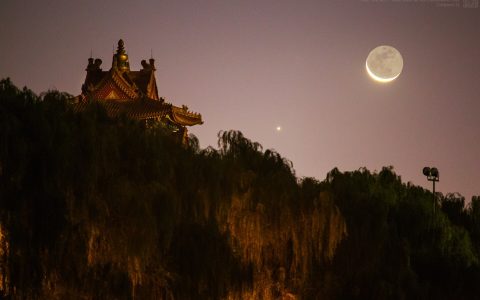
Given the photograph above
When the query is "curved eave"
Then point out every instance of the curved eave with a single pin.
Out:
(185, 118)
(136, 109)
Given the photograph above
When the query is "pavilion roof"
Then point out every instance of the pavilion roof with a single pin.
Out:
(131, 93)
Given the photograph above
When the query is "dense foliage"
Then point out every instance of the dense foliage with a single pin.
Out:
(399, 247)
(99, 208)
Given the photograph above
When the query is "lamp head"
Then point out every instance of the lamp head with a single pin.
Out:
(426, 171)
(434, 172)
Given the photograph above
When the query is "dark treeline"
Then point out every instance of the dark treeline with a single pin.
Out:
(100, 208)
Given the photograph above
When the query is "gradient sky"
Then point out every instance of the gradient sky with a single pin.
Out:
(255, 65)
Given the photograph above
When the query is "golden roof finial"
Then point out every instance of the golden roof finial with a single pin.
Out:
(121, 48)
(122, 57)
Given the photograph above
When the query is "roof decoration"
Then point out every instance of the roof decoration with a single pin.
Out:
(132, 93)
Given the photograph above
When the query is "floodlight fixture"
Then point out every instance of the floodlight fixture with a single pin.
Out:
(432, 174)
(426, 171)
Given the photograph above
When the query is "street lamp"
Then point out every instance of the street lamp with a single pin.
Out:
(433, 176)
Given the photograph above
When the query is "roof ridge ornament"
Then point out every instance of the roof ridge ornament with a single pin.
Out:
(121, 47)
(120, 59)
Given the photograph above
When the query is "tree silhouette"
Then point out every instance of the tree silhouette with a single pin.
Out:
(95, 207)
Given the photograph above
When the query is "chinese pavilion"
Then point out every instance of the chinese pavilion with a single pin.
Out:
(133, 93)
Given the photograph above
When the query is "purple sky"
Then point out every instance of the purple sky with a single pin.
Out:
(254, 65)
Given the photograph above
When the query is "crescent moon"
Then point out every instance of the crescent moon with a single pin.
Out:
(377, 78)
(384, 63)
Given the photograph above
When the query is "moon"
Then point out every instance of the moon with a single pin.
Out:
(384, 63)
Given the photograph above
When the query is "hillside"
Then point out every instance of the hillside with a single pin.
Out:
(100, 208)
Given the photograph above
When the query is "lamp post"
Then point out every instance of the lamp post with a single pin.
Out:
(433, 176)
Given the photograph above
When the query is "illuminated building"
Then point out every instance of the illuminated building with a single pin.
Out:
(133, 94)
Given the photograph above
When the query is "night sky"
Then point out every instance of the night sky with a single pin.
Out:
(256, 65)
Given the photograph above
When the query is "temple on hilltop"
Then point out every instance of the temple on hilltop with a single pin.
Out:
(133, 93)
